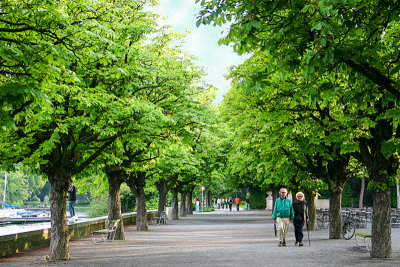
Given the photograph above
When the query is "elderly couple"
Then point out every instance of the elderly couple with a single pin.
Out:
(284, 213)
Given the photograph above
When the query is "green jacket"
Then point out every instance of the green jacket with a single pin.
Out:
(283, 209)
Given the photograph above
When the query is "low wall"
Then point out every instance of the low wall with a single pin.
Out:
(11, 244)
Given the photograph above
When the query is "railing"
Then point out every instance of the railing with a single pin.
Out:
(362, 218)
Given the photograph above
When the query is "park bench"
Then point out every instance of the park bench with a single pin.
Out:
(108, 234)
(366, 237)
(160, 220)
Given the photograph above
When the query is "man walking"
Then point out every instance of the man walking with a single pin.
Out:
(237, 202)
(230, 202)
(247, 203)
(71, 198)
(283, 215)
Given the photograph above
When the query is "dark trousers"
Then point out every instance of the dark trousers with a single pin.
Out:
(298, 230)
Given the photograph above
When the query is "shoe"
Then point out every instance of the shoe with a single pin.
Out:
(284, 243)
(280, 244)
(300, 244)
(296, 243)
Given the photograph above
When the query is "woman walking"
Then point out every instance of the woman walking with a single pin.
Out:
(300, 216)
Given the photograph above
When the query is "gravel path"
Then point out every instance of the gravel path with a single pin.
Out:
(220, 238)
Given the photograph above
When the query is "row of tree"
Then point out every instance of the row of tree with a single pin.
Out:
(318, 101)
(98, 91)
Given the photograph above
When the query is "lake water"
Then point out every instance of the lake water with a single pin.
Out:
(22, 228)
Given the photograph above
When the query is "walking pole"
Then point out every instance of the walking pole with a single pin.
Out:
(308, 233)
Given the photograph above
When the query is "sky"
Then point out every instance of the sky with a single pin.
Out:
(202, 42)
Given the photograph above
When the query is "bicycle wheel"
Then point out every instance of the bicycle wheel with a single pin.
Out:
(348, 230)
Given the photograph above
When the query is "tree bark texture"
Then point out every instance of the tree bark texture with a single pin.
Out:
(115, 179)
(209, 199)
(182, 211)
(335, 213)
(162, 198)
(312, 211)
(361, 199)
(59, 237)
(174, 206)
(381, 246)
(189, 204)
(136, 183)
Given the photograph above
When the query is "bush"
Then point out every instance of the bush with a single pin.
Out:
(128, 201)
(207, 209)
(99, 207)
(257, 198)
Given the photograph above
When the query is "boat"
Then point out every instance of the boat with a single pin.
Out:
(24, 216)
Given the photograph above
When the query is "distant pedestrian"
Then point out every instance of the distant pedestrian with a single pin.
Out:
(71, 198)
(237, 202)
(226, 203)
(223, 203)
(230, 202)
(218, 203)
(247, 203)
(300, 216)
(282, 215)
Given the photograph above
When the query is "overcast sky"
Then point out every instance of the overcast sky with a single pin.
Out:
(201, 42)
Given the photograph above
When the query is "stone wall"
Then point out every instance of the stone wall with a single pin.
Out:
(14, 243)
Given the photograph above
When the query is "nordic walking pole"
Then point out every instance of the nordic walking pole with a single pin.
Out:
(308, 233)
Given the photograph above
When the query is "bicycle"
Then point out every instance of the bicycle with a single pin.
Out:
(348, 227)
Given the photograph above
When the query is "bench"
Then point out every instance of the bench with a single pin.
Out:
(366, 237)
(107, 234)
(160, 220)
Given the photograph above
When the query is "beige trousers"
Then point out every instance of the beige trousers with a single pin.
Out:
(282, 225)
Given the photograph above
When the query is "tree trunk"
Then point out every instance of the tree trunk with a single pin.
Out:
(162, 192)
(141, 215)
(274, 197)
(209, 199)
(136, 183)
(381, 226)
(115, 179)
(398, 194)
(361, 199)
(59, 237)
(189, 204)
(182, 211)
(335, 213)
(312, 211)
(174, 206)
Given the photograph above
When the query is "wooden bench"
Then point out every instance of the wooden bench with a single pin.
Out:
(107, 234)
(366, 237)
(160, 220)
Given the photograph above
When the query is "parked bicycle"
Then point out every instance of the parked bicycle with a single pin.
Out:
(348, 227)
